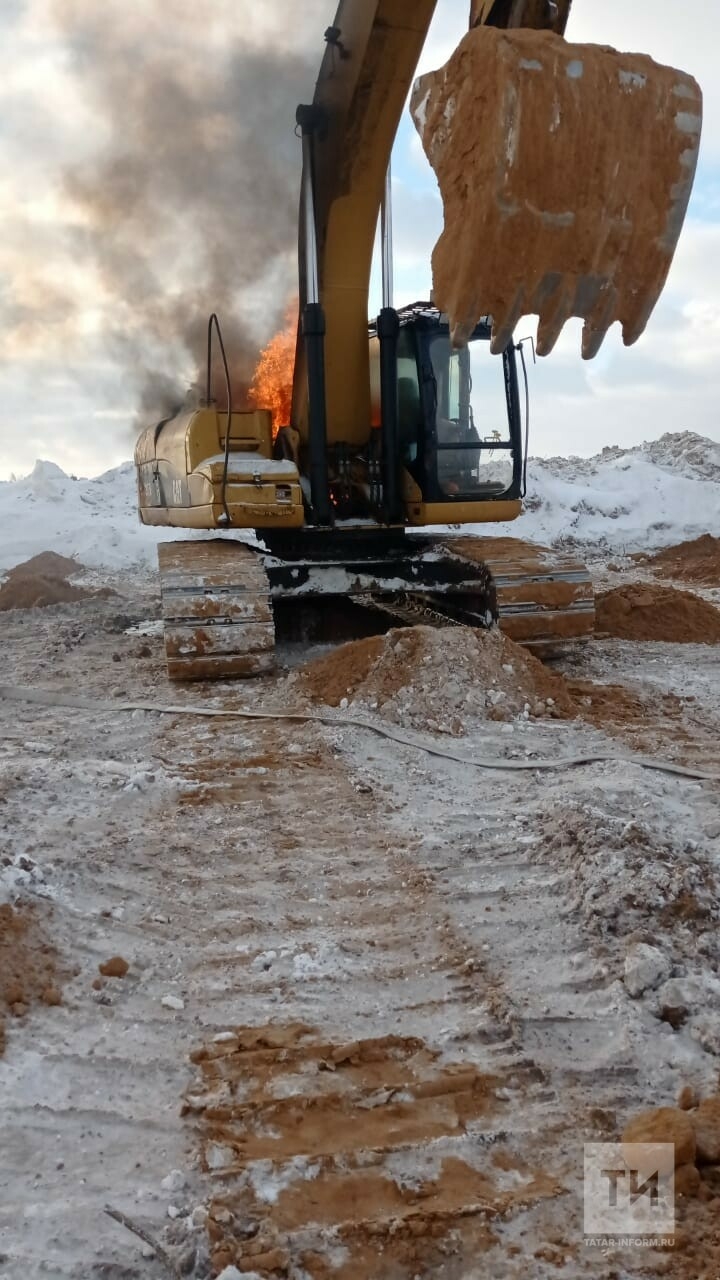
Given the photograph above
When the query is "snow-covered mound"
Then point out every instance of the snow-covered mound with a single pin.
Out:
(656, 494)
(622, 500)
(95, 520)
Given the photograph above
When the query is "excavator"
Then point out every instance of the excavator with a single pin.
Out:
(405, 429)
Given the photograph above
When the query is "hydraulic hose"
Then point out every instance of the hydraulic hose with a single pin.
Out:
(213, 321)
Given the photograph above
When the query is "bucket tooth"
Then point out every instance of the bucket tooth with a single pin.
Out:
(503, 326)
(551, 322)
(565, 172)
(592, 340)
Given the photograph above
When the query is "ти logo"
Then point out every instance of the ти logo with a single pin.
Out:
(629, 1193)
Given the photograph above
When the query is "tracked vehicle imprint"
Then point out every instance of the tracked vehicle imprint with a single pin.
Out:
(357, 1150)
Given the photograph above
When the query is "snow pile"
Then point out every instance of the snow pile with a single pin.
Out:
(636, 877)
(94, 520)
(624, 499)
(621, 500)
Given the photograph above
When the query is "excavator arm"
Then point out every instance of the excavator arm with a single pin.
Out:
(366, 74)
(577, 165)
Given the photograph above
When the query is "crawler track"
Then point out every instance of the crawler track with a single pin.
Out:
(545, 598)
(216, 609)
(217, 594)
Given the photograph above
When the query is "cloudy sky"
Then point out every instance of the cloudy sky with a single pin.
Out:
(148, 174)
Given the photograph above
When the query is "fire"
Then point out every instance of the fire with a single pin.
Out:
(271, 386)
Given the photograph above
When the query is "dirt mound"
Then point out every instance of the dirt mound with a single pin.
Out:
(696, 561)
(48, 564)
(39, 593)
(42, 581)
(29, 968)
(424, 678)
(642, 612)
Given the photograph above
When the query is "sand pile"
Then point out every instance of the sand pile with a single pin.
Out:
(43, 581)
(696, 561)
(28, 965)
(436, 680)
(643, 612)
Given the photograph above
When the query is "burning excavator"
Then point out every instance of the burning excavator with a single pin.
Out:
(565, 172)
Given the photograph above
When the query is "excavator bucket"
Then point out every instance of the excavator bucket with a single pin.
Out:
(565, 172)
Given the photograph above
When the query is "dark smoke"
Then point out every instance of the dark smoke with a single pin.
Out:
(190, 204)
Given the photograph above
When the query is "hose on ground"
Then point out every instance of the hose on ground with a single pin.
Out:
(41, 697)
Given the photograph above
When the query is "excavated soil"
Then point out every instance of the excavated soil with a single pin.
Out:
(29, 969)
(43, 581)
(696, 1246)
(411, 677)
(697, 561)
(436, 679)
(614, 707)
(640, 611)
(346, 1159)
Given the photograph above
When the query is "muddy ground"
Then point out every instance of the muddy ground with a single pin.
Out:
(375, 1000)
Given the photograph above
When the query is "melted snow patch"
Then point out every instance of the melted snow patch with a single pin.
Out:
(269, 1181)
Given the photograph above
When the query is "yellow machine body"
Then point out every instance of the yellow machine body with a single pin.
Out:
(181, 465)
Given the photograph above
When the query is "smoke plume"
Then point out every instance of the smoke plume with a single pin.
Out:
(185, 199)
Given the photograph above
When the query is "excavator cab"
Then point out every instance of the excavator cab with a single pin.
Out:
(459, 423)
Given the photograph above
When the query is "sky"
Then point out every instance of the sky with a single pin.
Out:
(129, 131)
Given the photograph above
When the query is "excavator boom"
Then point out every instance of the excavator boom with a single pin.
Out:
(580, 171)
(372, 53)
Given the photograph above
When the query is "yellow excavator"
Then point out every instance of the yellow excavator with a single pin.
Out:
(415, 421)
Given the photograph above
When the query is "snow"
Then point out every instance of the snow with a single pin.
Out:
(173, 1002)
(268, 1181)
(621, 500)
(95, 520)
(645, 968)
(244, 464)
(648, 497)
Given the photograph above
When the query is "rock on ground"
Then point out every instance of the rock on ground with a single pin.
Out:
(645, 967)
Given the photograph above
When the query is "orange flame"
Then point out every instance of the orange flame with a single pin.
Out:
(271, 386)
